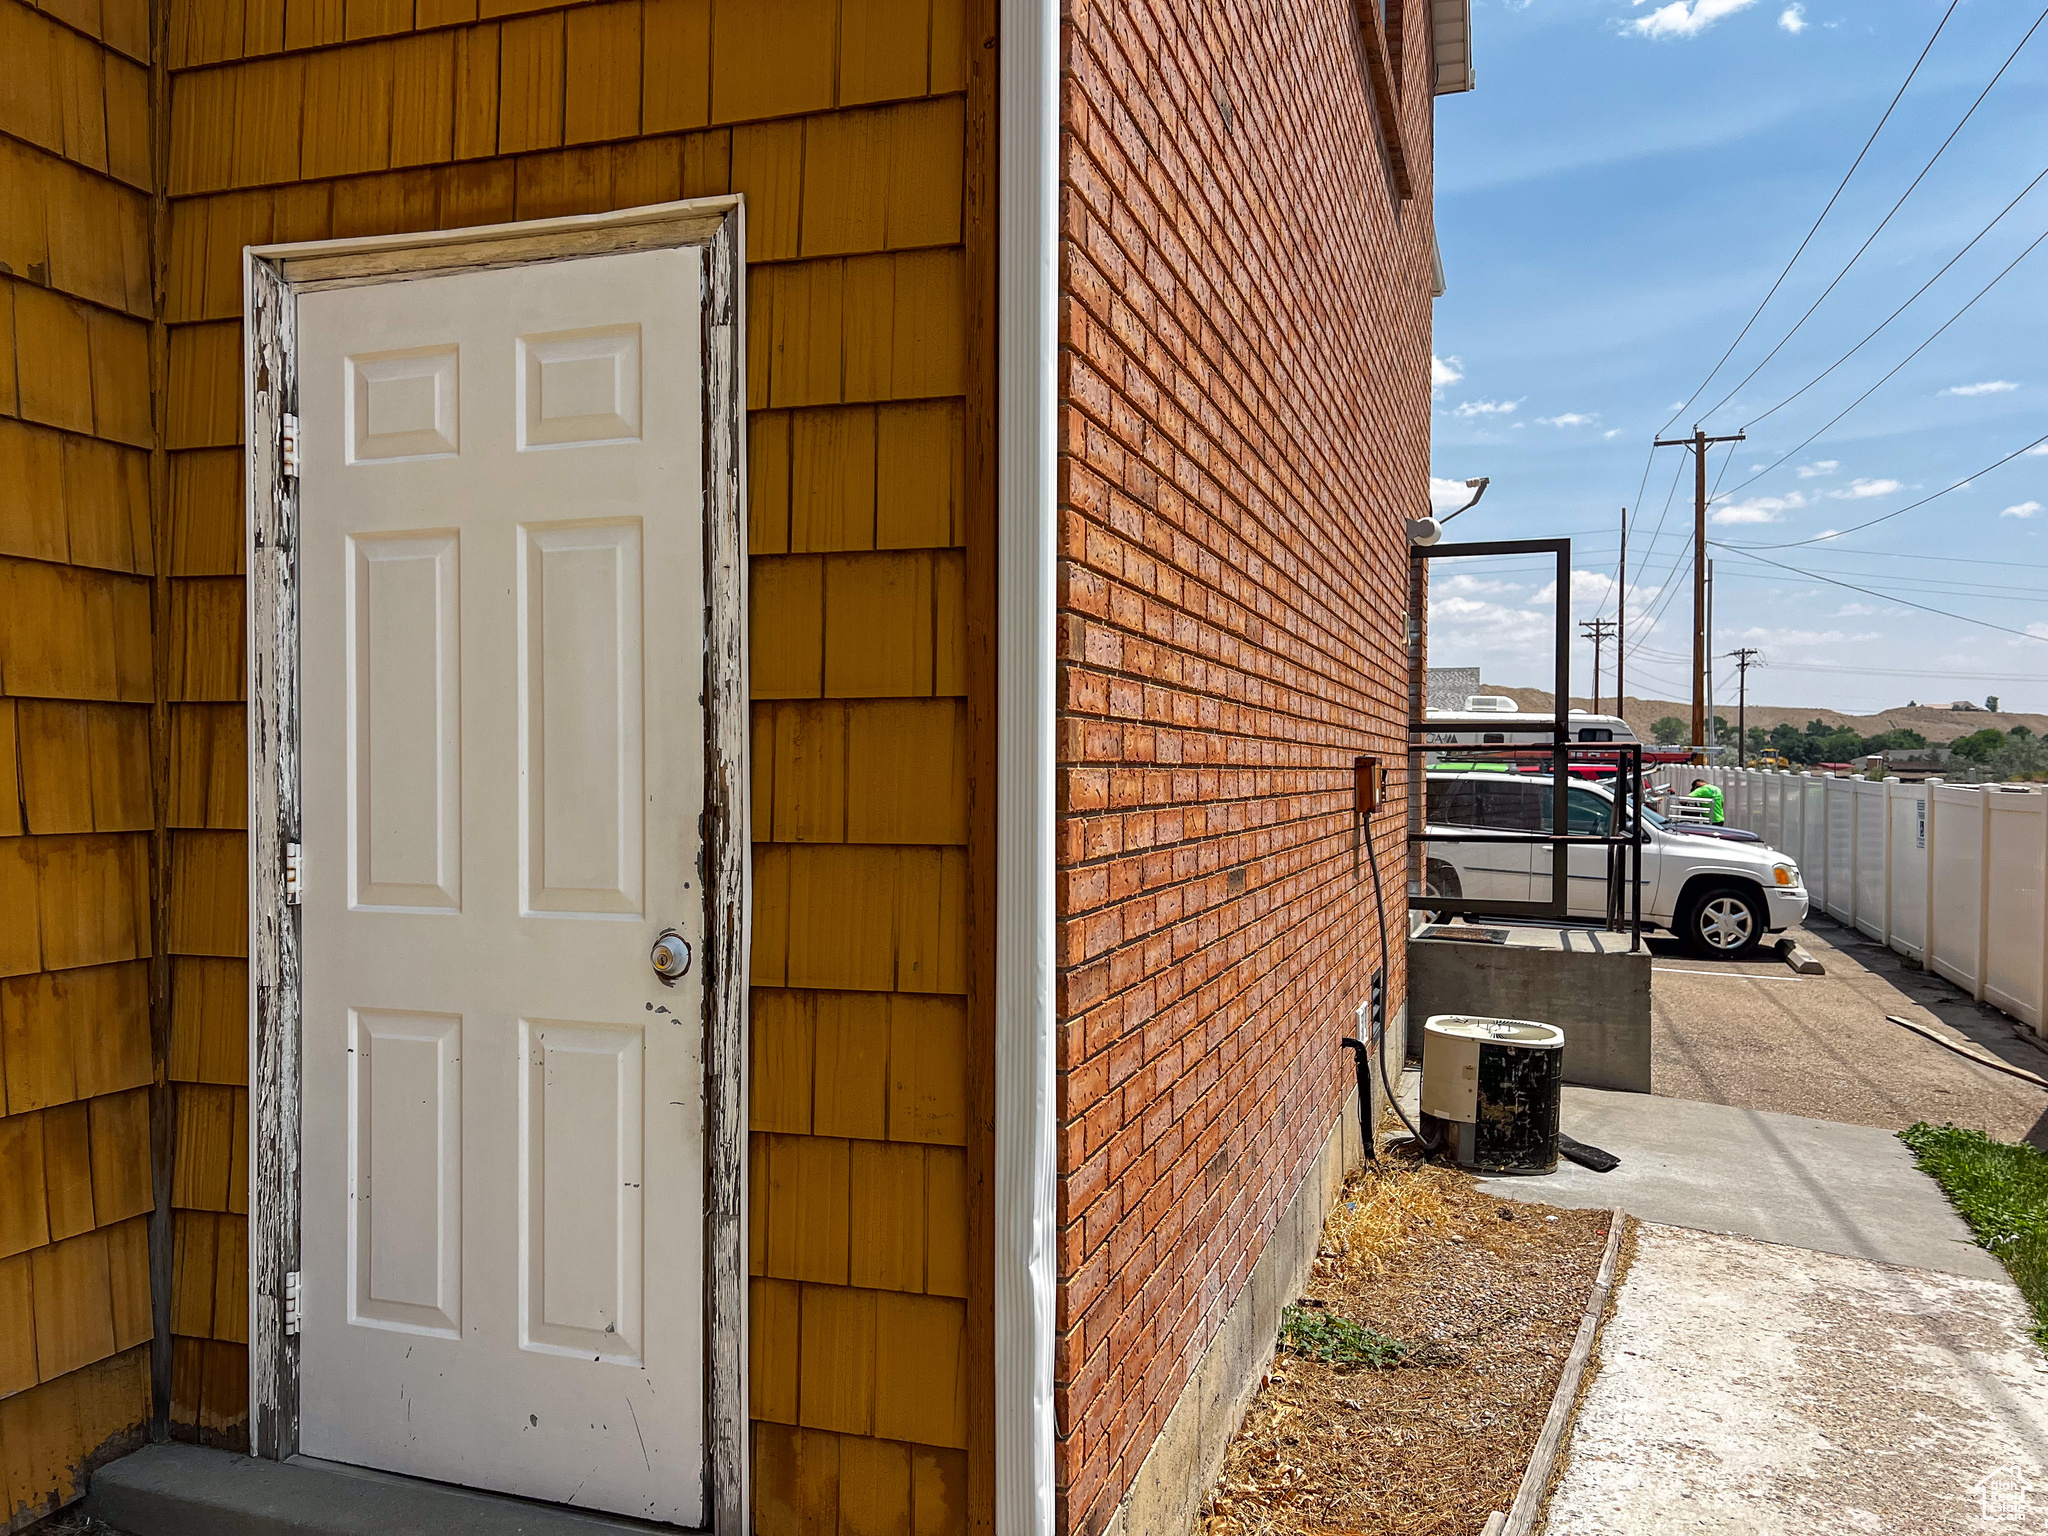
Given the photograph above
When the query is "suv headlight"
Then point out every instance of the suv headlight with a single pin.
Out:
(1785, 874)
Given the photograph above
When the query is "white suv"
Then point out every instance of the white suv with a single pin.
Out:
(1721, 897)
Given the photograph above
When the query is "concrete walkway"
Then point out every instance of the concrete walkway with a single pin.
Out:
(1807, 1341)
(1774, 1391)
(1846, 1189)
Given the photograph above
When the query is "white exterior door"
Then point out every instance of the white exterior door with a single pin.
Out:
(503, 1190)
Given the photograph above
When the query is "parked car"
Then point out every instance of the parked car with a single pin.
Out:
(1720, 897)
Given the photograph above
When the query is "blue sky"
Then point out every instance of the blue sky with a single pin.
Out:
(1613, 202)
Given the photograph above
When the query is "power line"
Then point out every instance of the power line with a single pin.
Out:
(1960, 677)
(1910, 299)
(2032, 595)
(1860, 554)
(1680, 560)
(1845, 410)
(1843, 186)
(1702, 572)
(1907, 554)
(1829, 538)
(1888, 597)
(1658, 532)
(1881, 223)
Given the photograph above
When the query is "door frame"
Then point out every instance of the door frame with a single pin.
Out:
(272, 278)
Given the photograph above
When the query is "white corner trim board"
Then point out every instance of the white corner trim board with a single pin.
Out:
(1027, 320)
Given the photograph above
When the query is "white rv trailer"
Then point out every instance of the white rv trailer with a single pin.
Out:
(1491, 720)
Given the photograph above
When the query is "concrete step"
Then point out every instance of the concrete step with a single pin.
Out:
(186, 1490)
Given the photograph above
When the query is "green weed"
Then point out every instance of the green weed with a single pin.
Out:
(1316, 1333)
(2001, 1191)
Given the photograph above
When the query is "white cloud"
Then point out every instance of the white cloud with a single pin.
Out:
(1817, 468)
(1611, 433)
(2038, 631)
(1988, 387)
(1780, 637)
(1827, 533)
(1444, 371)
(1793, 19)
(2024, 509)
(1569, 419)
(1758, 509)
(1854, 611)
(1860, 489)
(1590, 590)
(1475, 586)
(1487, 407)
(1678, 19)
(1472, 626)
(1508, 627)
(2038, 451)
(1447, 495)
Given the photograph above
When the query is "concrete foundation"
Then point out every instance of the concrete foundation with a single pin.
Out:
(1582, 980)
(1184, 1460)
(183, 1490)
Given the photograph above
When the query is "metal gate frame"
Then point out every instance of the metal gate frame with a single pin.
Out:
(1629, 781)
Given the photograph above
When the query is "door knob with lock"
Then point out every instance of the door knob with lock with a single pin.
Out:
(670, 957)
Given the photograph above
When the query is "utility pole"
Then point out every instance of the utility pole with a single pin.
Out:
(1597, 631)
(1621, 625)
(1745, 658)
(1699, 443)
(1711, 738)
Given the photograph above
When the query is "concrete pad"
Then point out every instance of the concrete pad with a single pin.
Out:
(1767, 1391)
(184, 1490)
(1584, 981)
(1847, 1189)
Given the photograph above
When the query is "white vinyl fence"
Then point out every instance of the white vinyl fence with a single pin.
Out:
(1954, 875)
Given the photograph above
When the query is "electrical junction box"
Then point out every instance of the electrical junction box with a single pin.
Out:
(1491, 1089)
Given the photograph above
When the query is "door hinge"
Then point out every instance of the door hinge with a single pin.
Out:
(288, 444)
(291, 1303)
(294, 889)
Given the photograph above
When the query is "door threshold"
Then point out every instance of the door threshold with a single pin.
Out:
(188, 1490)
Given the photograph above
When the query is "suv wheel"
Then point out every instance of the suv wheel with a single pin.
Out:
(1724, 923)
(1439, 879)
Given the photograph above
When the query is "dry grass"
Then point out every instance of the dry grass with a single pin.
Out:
(1485, 1295)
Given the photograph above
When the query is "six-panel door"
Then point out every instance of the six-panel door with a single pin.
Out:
(502, 774)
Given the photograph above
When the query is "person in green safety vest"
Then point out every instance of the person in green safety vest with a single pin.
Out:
(1711, 793)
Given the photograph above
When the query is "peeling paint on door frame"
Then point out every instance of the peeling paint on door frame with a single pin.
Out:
(272, 277)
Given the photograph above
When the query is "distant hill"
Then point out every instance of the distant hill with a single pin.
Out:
(1936, 724)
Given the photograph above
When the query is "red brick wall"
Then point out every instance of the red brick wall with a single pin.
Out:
(1245, 423)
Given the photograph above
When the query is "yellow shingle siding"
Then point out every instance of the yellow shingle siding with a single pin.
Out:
(76, 689)
(843, 124)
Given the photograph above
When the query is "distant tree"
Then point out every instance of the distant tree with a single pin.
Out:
(1900, 740)
(2024, 756)
(2020, 733)
(1979, 746)
(1669, 731)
